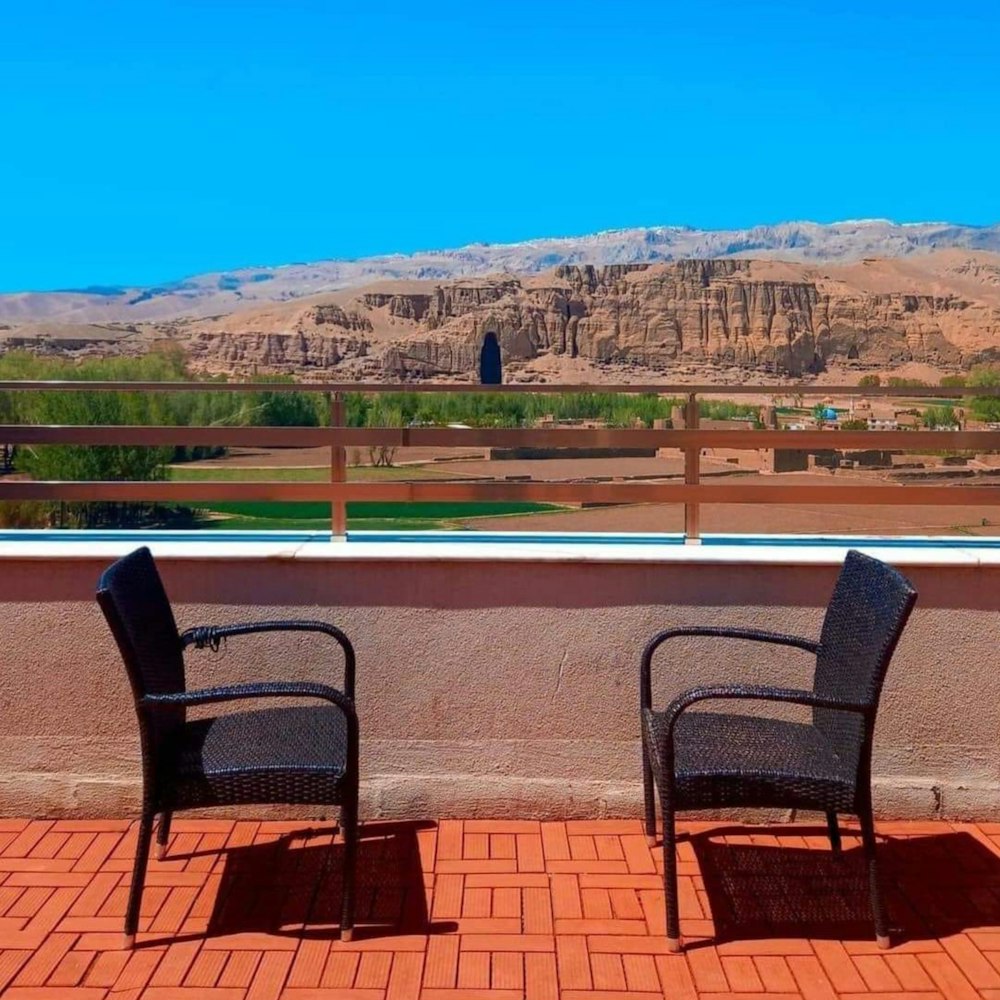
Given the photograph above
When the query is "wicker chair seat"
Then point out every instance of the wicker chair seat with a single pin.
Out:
(271, 755)
(725, 760)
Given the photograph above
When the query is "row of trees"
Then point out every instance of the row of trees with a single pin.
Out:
(986, 408)
(524, 410)
(121, 462)
(307, 409)
(277, 408)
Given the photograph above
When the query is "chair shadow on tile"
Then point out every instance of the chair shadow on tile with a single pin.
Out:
(766, 882)
(292, 885)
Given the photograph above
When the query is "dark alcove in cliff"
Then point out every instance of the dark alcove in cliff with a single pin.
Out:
(490, 366)
(852, 353)
(817, 365)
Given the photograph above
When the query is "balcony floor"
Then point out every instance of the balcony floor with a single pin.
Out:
(455, 910)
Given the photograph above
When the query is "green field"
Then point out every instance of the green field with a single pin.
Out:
(264, 515)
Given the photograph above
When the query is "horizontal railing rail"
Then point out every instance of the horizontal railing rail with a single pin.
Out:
(497, 437)
(690, 440)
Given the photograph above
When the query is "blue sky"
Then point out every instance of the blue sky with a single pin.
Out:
(143, 141)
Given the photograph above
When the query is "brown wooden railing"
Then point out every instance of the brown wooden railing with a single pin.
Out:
(338, 492)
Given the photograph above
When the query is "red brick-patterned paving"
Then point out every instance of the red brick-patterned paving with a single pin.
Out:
(468, 909)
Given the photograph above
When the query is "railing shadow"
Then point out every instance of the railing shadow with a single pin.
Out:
(293, 885)
(935, 885)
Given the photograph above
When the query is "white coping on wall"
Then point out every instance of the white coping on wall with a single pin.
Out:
(899, 551)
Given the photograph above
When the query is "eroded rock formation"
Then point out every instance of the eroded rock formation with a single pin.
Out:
(707, 311)
(771, 316)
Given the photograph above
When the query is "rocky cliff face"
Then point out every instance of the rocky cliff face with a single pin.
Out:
(713, 311)
(766, 315)
(334, 315)
(273, 352)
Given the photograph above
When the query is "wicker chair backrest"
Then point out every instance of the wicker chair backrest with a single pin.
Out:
(138, 611)
(864, 620)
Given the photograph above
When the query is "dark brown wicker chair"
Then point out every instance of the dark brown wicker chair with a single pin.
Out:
(709, 760)
(296, 755)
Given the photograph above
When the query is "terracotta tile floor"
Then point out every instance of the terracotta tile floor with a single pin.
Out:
(247, 911)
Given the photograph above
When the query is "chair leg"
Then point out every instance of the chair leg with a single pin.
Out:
(875, 885)
(831, 824)
(163, 834)
(670, 879)
(649, 798)
(349, 826)
(138, 879)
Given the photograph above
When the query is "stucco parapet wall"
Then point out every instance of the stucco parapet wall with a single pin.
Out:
(494, 678)
(467, 547)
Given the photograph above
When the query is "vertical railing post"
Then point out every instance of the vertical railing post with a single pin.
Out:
(692, 465)
(338, 468)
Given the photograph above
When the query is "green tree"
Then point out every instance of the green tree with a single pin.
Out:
(939, 416)
(986, 408)
(383, 415)
(283, 409)
(8, 415)
(102, 462)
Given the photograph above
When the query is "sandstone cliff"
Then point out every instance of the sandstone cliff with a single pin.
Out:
(727, 312)
(780, 317)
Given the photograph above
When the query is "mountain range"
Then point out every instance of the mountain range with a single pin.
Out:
(221, 292)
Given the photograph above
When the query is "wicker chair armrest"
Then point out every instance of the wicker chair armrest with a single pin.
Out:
(264, 689)
(752, 634)
(754, 692)
(712, 632)
(211, 635)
